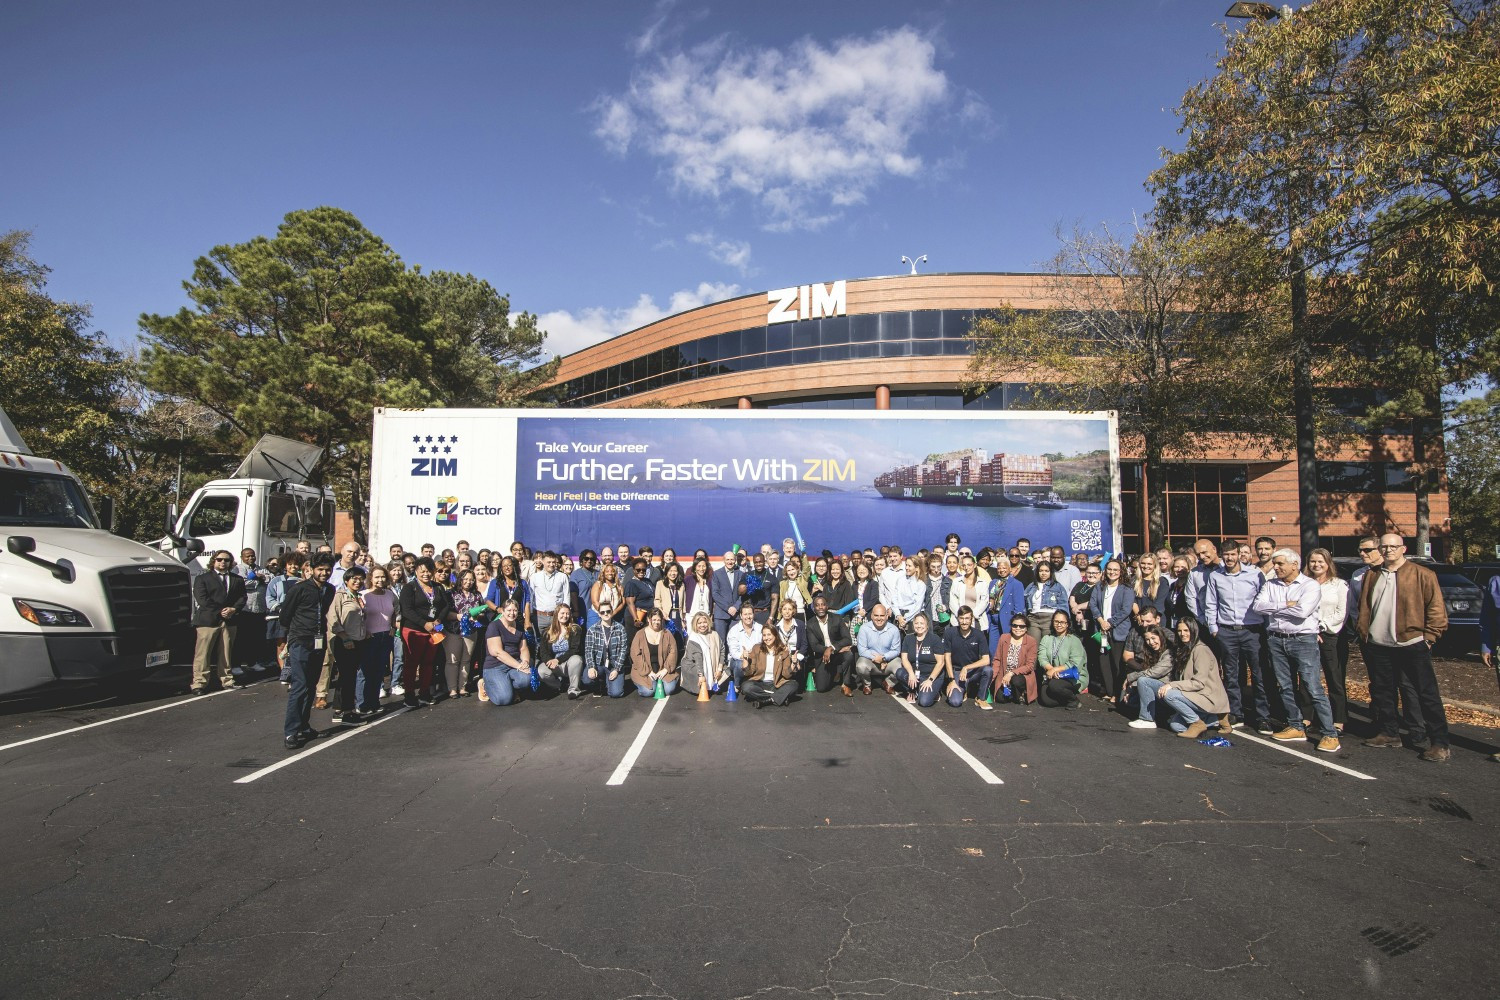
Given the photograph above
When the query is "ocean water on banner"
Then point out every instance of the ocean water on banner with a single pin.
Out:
(835, 522)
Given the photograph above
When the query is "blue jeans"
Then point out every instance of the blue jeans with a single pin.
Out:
(398, 655)
(503, 684)
(372, 664)
(925, 699)
(1181, 711)
(737, 671)
(1240, 652)
(650, 692)
(303, 665)
(1300, 653)
(981, 678)
(614, 688)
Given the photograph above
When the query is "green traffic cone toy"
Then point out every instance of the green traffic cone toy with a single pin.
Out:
(661, 690)
(811, 687)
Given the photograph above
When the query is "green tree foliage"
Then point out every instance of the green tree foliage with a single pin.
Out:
(1474, 477)
(168, 438)
(305, 333)
(1359, 139)
(64, 387)
(1138, 327)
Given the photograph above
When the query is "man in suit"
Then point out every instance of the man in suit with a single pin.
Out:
(726, 593)
(774, 573)
(830, 649)
(218, 595)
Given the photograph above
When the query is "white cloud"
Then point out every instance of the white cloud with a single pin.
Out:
(731, 253)
(803, 129)
(573, 331)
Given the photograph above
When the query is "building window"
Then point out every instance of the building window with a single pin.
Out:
(922, 333)
(1131, 534)
(1364, 477)
(1203, 501)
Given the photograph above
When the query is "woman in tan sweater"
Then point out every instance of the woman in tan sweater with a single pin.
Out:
(653, 656)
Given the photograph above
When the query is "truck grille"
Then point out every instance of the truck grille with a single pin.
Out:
(147, 603)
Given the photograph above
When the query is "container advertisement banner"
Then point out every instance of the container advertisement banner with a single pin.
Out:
(567, 480)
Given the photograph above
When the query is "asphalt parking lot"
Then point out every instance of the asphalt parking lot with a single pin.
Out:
(160, 846)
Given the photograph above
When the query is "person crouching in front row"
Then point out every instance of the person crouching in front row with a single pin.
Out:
(702, 655)
(604, 660)
(768, 671)
(1196, 696)
(1063, 663)
(507, 659)
(1015, 662)
(924, 670)
(653, 653)
(561, 648)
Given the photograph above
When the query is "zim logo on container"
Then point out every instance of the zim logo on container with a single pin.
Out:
(433, 455)
(447, 512)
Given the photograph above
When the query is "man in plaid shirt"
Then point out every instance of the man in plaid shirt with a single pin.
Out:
(604, 653)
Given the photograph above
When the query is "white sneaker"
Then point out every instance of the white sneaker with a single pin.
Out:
(984, 705)
(397, 690)
(1142, 724)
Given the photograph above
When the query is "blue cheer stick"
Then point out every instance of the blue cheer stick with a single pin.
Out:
(797, 533)
(848, 607)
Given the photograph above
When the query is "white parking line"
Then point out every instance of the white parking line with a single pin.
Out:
(189, 700)
(318, 747)
(1241, 734)
(990, 777)
(628, 761)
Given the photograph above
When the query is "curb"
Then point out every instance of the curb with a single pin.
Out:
(1469, 706)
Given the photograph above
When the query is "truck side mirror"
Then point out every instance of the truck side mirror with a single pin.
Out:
(25, 545)
(195, 546)
(170, 521)
(107, 513)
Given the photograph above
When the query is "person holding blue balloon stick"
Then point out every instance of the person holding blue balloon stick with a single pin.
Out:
(1063, 664)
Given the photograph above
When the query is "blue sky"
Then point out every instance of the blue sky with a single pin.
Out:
(603, 163)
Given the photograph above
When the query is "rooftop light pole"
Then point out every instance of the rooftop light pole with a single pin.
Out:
(920, 260)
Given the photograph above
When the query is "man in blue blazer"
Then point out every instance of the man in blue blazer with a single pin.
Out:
(726, 592)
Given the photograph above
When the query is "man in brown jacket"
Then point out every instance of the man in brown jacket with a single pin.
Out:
(1401, 614)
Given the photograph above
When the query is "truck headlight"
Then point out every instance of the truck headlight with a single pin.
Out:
(50, 615)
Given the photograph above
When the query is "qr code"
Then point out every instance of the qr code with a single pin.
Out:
(1088, 536)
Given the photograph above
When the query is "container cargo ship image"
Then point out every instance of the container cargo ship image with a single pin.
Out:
(974, 478)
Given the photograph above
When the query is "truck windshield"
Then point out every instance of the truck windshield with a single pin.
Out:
(39, 500)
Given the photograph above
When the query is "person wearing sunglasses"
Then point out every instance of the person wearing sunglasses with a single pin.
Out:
(218, 595)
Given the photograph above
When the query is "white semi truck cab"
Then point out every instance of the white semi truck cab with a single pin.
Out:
(77, 602)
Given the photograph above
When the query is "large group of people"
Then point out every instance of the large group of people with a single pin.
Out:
(1216, 636)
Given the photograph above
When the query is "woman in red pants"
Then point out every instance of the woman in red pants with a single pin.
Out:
(425, 608)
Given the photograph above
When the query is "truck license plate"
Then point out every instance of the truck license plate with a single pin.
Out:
(158, 659)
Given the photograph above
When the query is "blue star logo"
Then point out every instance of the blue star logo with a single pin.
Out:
(440, 439)
(454, 439)
(429, 439)
(447, 450)
(423, 450)
(416, 439)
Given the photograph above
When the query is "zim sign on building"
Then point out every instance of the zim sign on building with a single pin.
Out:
(901, 343)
